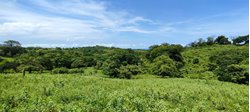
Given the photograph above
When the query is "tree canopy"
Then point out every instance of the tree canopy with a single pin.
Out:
(165, 60)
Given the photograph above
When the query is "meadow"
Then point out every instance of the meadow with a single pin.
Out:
(124, 56)
(205, 76)
(96, 92)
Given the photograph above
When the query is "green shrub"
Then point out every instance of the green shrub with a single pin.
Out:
(111, 68)
(124, 73)
(208, 75)
(76, 70)
(234, 73)
(30, 67)
(128, 71)
(196, 61)
(164, 66)
(230, 67)
(61, 70)
(85, 61)
(204, 75)
(211, 66)
(228, 57)
(99, 65)
(6, 66)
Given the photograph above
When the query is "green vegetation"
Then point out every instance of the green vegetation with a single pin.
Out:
(95, 93)
(206, 75)
(164, 66)
(214, 60)
(241, 40)
(211, 59)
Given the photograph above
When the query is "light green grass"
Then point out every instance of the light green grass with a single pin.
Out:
(7, 59)
(93, 93)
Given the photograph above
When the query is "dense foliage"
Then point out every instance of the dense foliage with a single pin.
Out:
(121, 61)
(79, 79)
(230, 66)
(201, 59)
(164, 66)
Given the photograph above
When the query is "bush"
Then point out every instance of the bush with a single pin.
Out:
(98, 65)
(211, 66)
(1, 59)
(207, 75)
(6, 66)
(234, 73)
(119, 58)
(164, 66)
(166, 70)
(173, 51)
(124, 73)
(196, 61)
(228, 65)
(204, 75)
(128, 71)
(76, 70)
(111, 68)
(83, 62)
(61, 70)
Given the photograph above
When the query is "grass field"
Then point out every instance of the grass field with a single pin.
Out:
(54, 93)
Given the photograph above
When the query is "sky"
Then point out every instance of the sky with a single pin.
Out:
(134, 24)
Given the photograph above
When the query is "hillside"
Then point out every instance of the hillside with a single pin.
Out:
(202, 60)
(167, 77)
(94, 93)
(200, 69)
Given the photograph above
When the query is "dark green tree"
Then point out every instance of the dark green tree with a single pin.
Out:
(164, 66)
(234, 73)
(12, 43)
(173, 51)
(120, 58)
(241, 40)
(222, 40)
(210, 41)
(128, 71)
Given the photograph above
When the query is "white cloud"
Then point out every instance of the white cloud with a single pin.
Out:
(133, 29)
(63, 20)
(85, 45)
(78, 21)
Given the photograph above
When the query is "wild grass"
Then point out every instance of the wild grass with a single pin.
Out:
(46, 92)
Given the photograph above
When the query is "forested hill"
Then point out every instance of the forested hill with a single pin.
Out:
(219, 58)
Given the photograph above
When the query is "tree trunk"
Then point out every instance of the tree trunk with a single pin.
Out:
(23, 72)
(29, 70)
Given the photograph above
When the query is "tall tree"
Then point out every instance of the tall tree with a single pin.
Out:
(241, 40)
(222, 40)
(210, 41)
(12, 43)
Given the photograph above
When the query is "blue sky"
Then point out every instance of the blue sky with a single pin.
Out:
(120, 23)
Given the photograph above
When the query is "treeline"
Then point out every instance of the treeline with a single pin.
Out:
(164, 60)
(221, 40)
